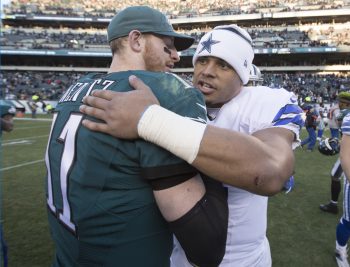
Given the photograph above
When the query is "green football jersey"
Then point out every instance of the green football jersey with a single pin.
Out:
(101, 208)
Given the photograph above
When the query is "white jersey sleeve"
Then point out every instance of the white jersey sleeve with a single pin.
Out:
(345, 127)
(257, 108)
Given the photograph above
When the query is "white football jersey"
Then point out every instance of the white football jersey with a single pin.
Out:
(333, 114)
(345, 127)
(255, 108)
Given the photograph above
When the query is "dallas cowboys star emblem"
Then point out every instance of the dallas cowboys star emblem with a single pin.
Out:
(206, 45)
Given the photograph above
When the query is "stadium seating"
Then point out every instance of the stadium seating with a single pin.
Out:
(297, 47)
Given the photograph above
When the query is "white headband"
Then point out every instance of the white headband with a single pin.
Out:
(230, 43)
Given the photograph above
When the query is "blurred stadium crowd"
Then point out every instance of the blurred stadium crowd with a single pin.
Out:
(173, 8)
(263, 37)
(22, 85)
(324, 87)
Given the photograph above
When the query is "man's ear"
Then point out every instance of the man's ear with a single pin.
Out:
(135, 40)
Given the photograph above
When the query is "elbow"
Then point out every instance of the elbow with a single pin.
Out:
(274, 189)
(272, 183)
(269, 188)
(278, 174)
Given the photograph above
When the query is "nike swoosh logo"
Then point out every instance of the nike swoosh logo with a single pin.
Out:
(202, 106)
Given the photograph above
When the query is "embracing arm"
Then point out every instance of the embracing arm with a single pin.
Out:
(198, 216)
(260, 163)
(176, 201)
(345, 154)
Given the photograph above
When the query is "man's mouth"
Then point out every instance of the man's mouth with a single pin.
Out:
(205, 88)
(170, 66)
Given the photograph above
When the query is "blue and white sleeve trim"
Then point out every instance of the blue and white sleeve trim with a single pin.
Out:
(289, 117)
(346, 125)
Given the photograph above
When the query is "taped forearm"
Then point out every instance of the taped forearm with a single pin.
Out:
(179, 135)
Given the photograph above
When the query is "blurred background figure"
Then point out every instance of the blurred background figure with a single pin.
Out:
(33, 105)
(332, 120)
(336, 174)
(310, 124)
(320, 122)
(49, 109)
(7, 112)
(255, 77)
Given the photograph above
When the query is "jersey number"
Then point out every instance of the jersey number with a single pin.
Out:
(67, 137)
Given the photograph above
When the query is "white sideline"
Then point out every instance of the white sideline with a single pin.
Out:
(31, 119)
(25, 138)
(21, 165)
(34, 127)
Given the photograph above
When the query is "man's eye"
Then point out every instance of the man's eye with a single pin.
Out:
(224, 65)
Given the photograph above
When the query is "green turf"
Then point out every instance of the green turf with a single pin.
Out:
(300, 234)
(24, 205)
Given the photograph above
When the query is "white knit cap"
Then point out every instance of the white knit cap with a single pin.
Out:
(230, 43)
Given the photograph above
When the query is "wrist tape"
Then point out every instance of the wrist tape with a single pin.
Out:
(179, 135)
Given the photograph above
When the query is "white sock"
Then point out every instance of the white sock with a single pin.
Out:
(339, 247)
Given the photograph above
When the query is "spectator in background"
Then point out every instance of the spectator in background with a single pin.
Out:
(332, 120)
(49, 109)
(33, 105)
(320, 122)
(310, 125)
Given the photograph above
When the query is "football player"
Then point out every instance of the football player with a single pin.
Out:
(343, 227)
(102, 191)
(337, 171)
(255, 76)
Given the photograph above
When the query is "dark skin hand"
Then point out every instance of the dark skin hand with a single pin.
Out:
(102, 104)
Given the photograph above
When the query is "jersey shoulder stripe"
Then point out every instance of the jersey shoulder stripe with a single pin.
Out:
(346, 125)
(290, 113)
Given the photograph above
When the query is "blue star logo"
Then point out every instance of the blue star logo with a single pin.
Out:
(206, 45)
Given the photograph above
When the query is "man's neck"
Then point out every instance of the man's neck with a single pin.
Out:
(122, 63)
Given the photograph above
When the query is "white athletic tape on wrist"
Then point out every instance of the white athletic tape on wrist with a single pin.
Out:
(179, 135)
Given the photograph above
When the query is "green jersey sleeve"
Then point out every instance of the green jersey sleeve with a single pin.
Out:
(180, 97)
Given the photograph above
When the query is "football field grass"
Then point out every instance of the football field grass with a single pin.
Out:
(300, 234)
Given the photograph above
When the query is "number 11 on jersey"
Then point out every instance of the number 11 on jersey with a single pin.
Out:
(67, 137)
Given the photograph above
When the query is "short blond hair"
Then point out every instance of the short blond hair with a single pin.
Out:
(117, 45)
